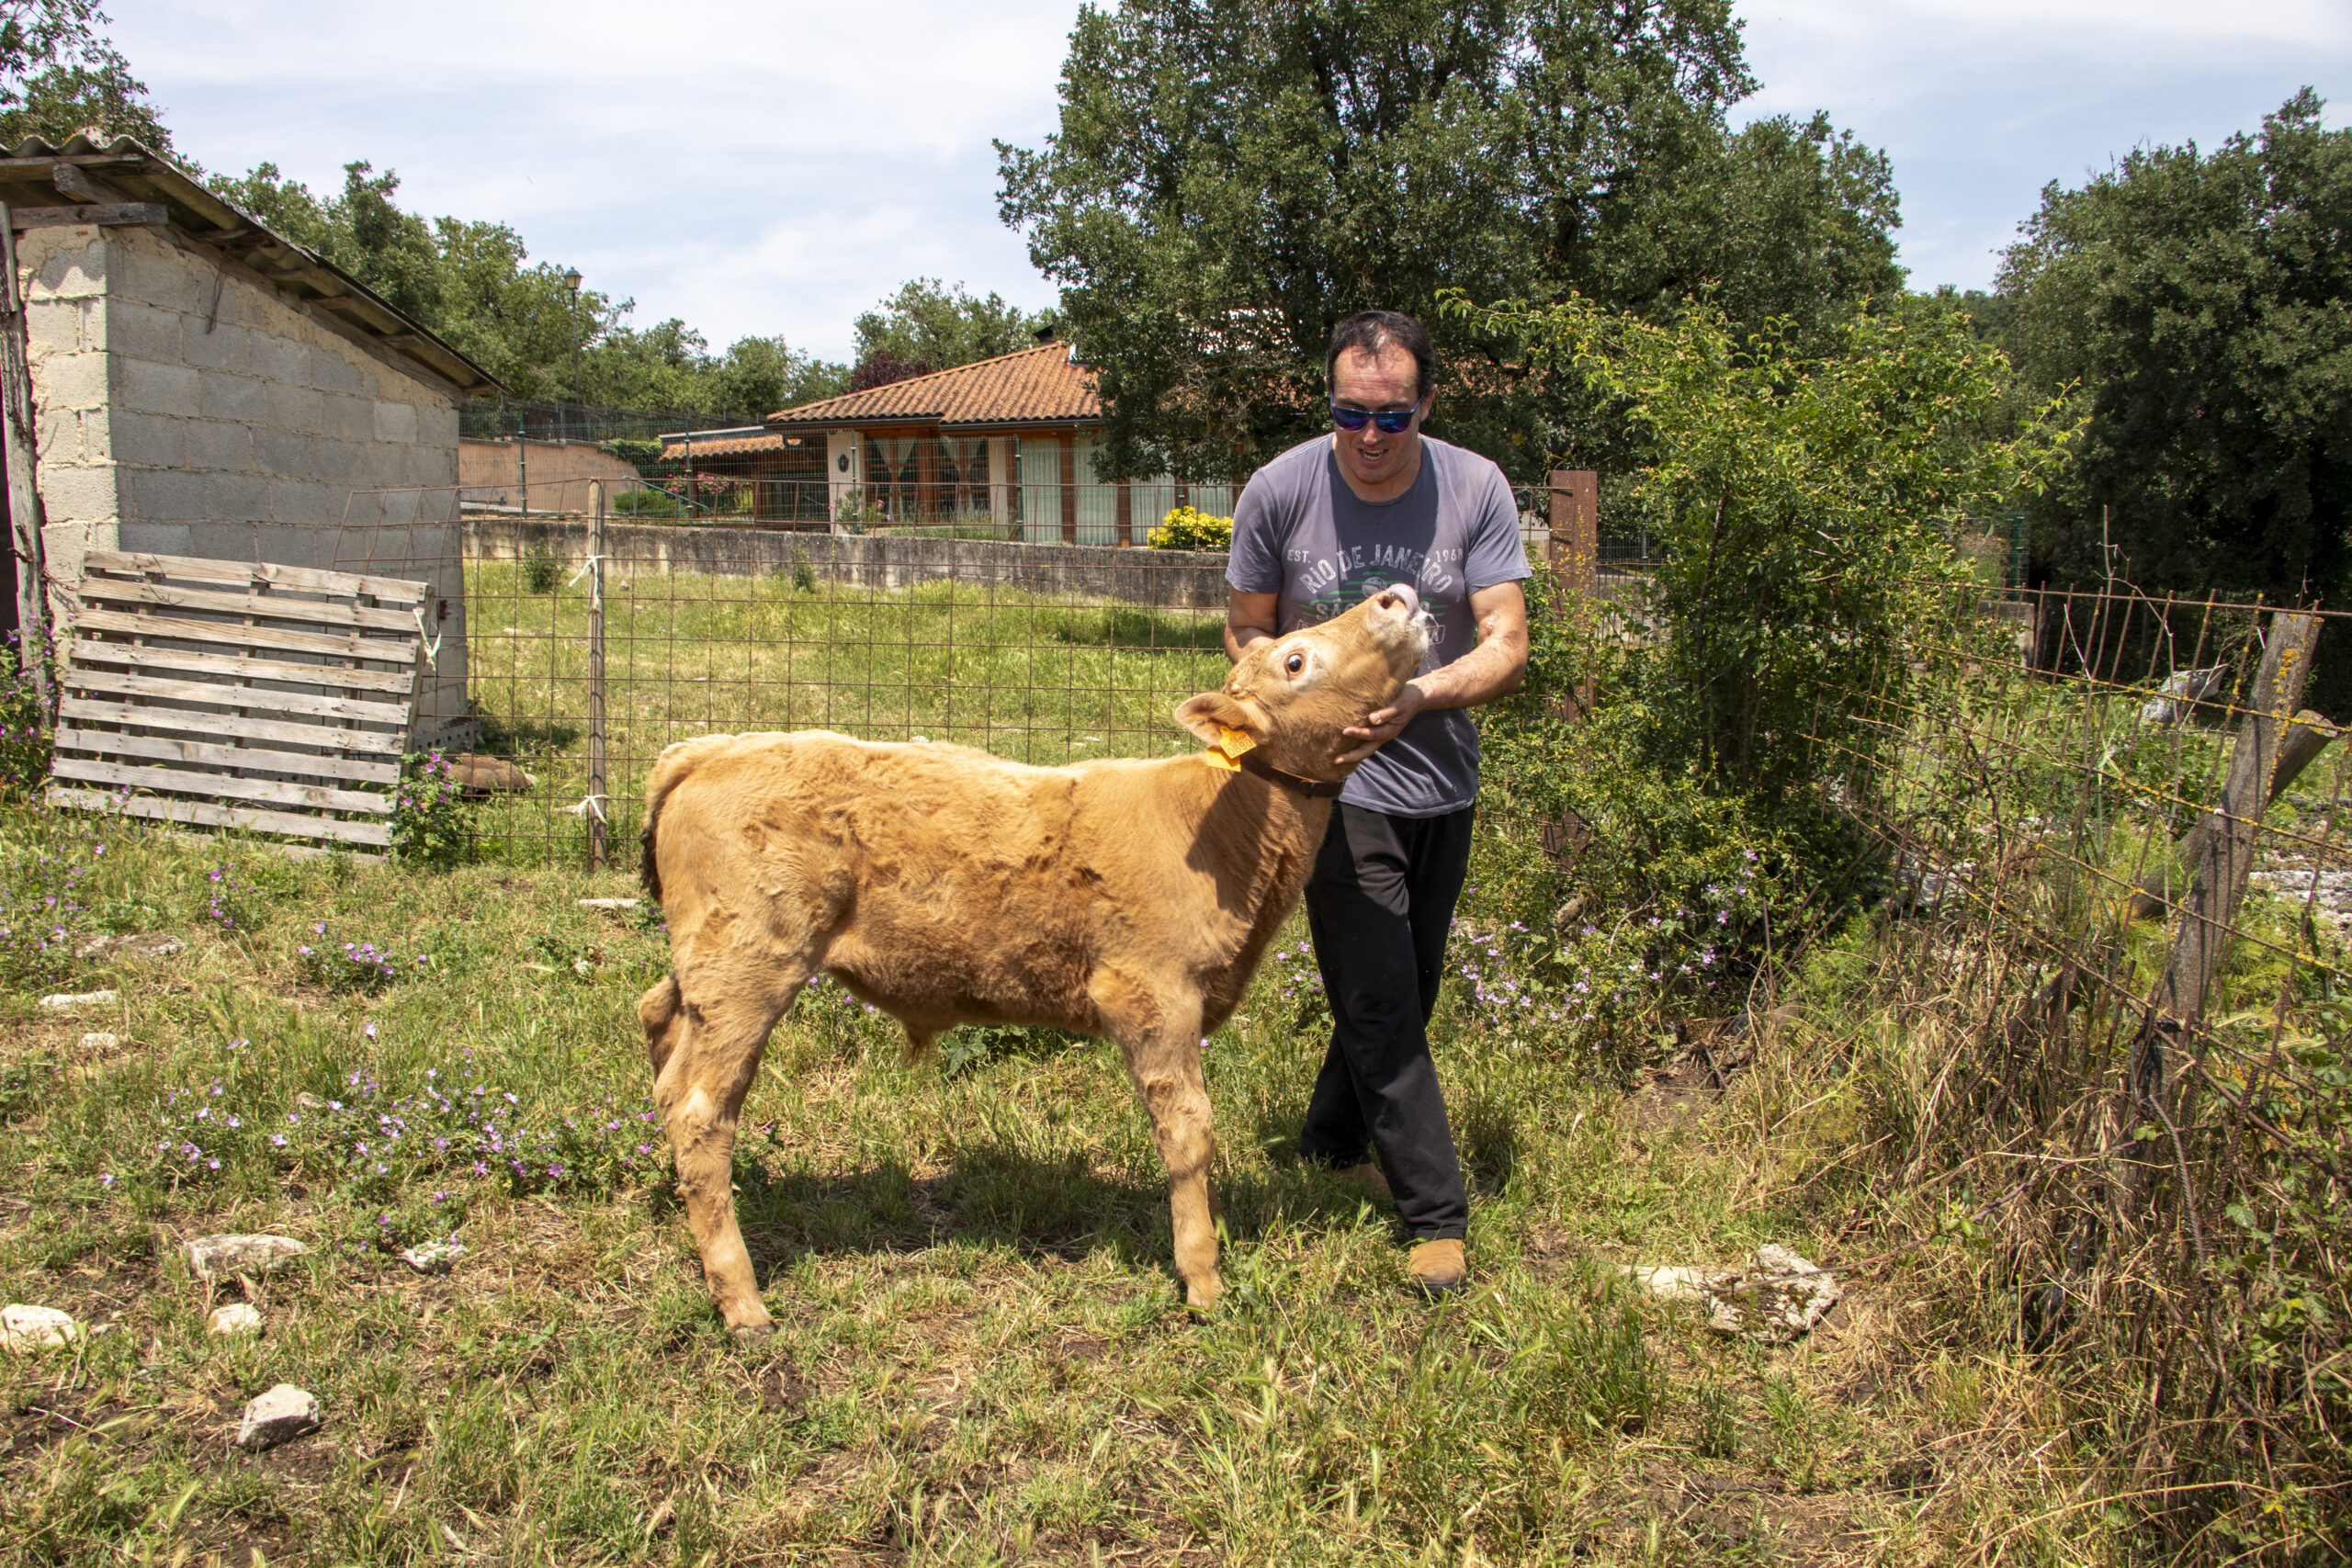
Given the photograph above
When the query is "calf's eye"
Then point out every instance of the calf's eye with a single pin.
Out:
(1294, 663)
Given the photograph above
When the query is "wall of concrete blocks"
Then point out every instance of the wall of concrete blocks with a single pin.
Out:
(188, 407)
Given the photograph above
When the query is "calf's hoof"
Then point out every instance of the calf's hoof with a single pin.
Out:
(747, 1320)
(1436, 1267)
(1201, 1295)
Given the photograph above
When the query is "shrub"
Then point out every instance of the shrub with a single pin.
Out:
(431, 823)
(1186, 529)
(648, 503)
(1807, 506)
(26, 721)
(640, 455)
(539, 569)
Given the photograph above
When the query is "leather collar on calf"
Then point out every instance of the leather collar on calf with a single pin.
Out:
(1297, 784)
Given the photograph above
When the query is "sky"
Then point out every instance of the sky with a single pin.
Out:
(778, 168)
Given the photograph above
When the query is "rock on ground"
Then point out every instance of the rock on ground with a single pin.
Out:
(1777, 1297)
(237, 1317)
(225, 1256)
(100, 1041)
(280, 1415)
(434, 1257)
(66, 1001)
(146, 945)
(36, 1327)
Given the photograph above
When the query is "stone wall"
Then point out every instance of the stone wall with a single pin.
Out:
(487, 471)
(1174, 580)
(188, 407)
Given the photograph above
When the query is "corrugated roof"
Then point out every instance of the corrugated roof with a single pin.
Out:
(29, 177)
(1032, 386)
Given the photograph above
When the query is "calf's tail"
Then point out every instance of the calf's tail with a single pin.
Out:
(669, 770)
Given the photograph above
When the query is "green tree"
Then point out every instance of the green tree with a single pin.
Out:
(471, 282)
(760, 376)
(1808, 502)
(59, 74)
(926, 326)
(2198, 308)
(1230, 176)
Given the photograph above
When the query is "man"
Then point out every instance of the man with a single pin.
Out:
(1317, 529)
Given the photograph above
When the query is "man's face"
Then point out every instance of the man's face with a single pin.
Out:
(1374, 382)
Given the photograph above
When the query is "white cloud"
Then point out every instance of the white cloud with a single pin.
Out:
(781, 167)
(758, 170)
(1980, 103)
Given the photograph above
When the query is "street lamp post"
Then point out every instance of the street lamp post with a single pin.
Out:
(572, 278)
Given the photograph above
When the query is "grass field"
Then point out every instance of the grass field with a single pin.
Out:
(980, 1356)
(1033, 678)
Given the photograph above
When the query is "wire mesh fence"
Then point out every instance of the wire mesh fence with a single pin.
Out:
(589, 630)
(582, 631)
(2116, 944)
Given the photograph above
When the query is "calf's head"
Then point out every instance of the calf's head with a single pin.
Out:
(1293, 694)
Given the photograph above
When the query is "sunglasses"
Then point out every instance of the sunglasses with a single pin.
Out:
(1391, 422)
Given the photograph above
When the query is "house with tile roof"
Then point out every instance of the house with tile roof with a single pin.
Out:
(1010, 440)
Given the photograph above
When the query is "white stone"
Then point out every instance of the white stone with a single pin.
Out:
(607, 903)
(434, 1257)
(280, 1415)
(100, 1041)
(237, 1317)
(65, 1001)
(225, 1256)
(1777, 1297)
(36, 1328)
(145, 944)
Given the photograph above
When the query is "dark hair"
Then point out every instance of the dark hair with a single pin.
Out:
(1372, 331)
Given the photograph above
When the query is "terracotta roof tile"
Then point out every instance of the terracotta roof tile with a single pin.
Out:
(726, 443)
(1033, 386)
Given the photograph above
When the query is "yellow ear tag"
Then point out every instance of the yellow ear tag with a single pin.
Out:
(1230, 744)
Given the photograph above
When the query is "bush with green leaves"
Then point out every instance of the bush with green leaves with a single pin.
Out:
(541, 571)
(1808, 505)
(431, 822)
(26, 716)
(1187, 528)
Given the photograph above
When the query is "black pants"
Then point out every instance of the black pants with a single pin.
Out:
(1379, 902)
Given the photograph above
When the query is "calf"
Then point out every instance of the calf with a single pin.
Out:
(945, 885)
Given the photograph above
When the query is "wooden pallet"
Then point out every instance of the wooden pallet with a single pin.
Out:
(227, 695)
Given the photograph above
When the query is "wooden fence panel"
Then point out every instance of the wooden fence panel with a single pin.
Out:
(265, 722)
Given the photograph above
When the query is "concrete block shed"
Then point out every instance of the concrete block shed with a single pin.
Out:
(203, 386)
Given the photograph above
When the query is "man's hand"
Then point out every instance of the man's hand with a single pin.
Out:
(1382, 725)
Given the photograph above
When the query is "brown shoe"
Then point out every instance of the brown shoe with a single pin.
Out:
(1436, 1267)
(1367, 1179)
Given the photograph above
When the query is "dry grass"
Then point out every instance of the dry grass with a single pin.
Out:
(980, 1356)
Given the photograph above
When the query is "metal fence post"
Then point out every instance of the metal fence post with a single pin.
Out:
(594, 816)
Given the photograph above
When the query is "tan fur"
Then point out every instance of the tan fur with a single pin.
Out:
(946, 885)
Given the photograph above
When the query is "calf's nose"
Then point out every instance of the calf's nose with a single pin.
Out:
(1400, 593)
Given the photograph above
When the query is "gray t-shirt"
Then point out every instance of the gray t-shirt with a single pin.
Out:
(1301, 532)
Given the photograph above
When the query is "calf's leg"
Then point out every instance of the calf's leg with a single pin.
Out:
(1159, 1037)
(704, 1028)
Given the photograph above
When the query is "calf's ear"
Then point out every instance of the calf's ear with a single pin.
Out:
(1211, 711)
